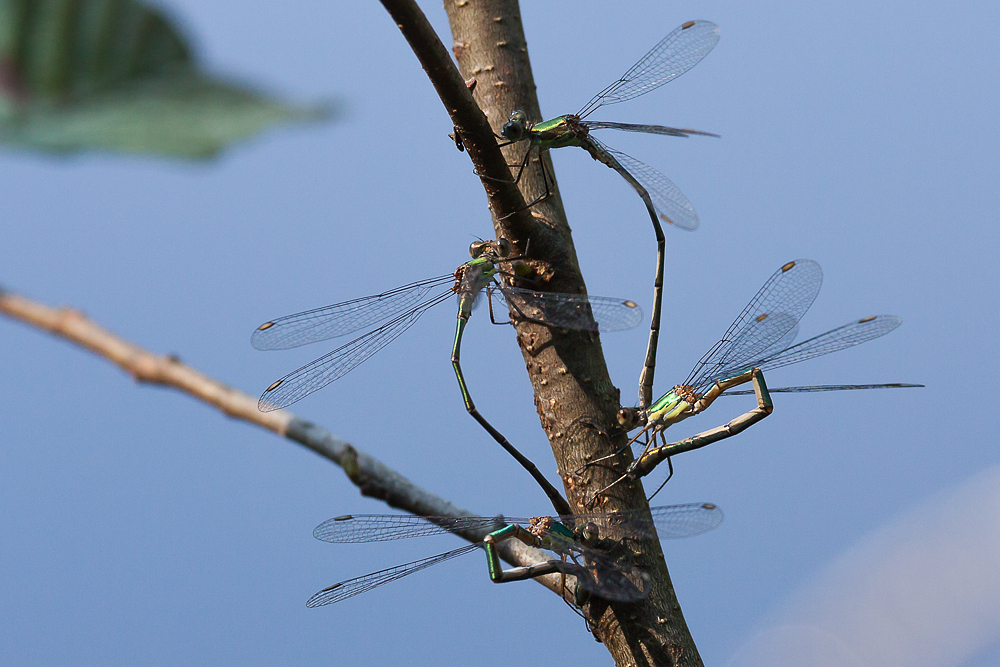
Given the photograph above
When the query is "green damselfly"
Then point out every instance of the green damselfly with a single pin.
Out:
(760, 339)
(580, 549)
(400, 308)
(676, 53)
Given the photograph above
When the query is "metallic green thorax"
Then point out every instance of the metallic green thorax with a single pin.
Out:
(652, 456)
(668, 409)
(682, 401)
(471, 278)
(557, 133)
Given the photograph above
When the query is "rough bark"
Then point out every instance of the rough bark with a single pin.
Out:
(574, 396)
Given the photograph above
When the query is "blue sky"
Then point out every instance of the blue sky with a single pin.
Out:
(140, 527)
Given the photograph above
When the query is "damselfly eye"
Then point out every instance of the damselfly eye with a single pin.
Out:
(625, 417)
(589, 533)
(503, 248)
(476, 248)
(513, 129)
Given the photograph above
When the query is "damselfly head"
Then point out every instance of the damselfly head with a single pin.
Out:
(516, 126)
(494, 249)
(629, 418)
(477, 248)
(503, 248)
(589, 534)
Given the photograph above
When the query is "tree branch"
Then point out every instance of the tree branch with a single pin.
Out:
(575, 398)
(470, 123)
(372, 477)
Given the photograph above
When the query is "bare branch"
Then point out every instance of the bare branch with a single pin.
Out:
(371, 476)
(471, 124)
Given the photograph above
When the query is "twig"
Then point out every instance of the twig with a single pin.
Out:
(470, 122)
(372, 477)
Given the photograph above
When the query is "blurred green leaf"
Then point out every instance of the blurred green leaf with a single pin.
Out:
(117, 75)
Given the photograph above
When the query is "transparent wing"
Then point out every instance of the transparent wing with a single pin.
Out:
(748, 344)
(771, 314)
(352, 587)
(607, 578)
(654, 188)
(677, 521)
(668, 521)
(317, 374)
(648, 129)
(848, 335)
(785, 341)
(340, 319)
(827, 387)
(834, 340)
(384, 527)
(676, 53)
(572, 311)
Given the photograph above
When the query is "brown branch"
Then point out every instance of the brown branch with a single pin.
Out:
(372, 477)
(470, 123)
(575, 398)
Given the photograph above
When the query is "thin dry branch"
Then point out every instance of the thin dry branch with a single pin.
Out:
(372, 477)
